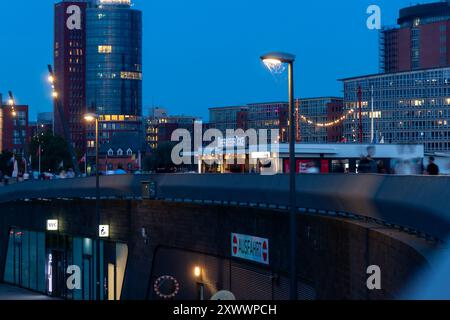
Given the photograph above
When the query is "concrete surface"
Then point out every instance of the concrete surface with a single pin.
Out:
(8, 292)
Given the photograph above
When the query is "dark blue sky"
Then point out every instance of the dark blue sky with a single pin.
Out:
(204, 53)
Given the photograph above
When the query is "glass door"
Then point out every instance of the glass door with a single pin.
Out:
(88, 279)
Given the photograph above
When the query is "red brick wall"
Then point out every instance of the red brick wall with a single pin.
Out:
(70, 85)
(404, 49)
(430, 45)
(448, 43)
(335, 111)
(9, 128)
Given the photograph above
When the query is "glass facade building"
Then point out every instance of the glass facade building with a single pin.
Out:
(315, 111)
(409, 107)
(113, 71)
(275, 115)
(42, 262)
(224, 118)
(114, 59)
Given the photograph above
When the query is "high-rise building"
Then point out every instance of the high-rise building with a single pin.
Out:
(114, 59)
(69, 68)
(114, 70)
(408, 107)
(420, 40)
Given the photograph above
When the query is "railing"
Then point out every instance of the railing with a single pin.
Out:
(418, 203)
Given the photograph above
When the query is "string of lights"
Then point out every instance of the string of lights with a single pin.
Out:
(327, 124)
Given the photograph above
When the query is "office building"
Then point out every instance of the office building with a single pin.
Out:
(421, 39)
(69, 68)
(311, 113)
(408, 107)
(114, 72)
(160, 126)
(230, 117)
(43, 124)
(114, 59)
(320, 120)
(14, 132)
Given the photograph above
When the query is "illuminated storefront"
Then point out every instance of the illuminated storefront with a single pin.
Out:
(44, 262)
(310, 158)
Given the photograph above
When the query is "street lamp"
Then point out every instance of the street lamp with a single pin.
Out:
(271, 60)
(198, 274)
(90, 118)
(65, 125)
(12, 103)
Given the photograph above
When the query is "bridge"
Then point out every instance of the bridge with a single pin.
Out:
(416, 203)
(406, 214)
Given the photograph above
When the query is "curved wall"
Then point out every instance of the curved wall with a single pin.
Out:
(334, 252)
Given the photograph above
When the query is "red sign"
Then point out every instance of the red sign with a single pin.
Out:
(250, 248)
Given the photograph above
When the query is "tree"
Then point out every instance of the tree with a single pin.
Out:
(54, 151)
(5, 162)
(161, 159)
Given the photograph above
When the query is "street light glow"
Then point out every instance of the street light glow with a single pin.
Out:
(51, 79)
(55, 94)
(278, 57)
(90, 117)
(197, 272)
(271, 62)
(275, 61)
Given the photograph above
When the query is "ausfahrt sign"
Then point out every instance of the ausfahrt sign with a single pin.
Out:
(250, 248)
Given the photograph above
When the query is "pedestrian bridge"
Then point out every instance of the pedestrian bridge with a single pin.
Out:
(417, 204)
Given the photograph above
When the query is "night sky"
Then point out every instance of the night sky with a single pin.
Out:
(205, 53)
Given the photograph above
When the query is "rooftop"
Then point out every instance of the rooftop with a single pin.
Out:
(394, 73)
(436, 9)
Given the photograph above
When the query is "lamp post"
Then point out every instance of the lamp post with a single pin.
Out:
(65, 125)
(16, 115)
(276, 59)
(198, 273)
(93, 118)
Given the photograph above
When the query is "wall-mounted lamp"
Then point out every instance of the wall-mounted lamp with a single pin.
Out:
(197, 272)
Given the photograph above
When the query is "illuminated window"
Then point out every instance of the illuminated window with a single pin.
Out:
(131, 75)
(104, 49)
(123, 2)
